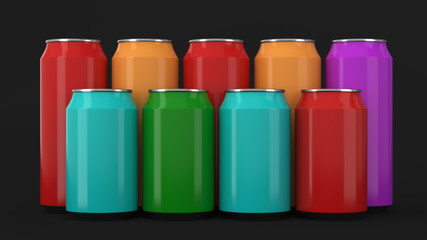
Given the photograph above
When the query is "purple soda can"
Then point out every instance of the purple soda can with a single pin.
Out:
(366, 64)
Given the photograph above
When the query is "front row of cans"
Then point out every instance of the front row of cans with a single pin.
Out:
(178, 152)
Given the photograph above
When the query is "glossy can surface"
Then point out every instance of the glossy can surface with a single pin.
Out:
(64, 65)
(292, 65)
(331, 153)
(140, 65)
(178, 144)
(254, 166)
(368, 65)
(102, 153)
(216, 66)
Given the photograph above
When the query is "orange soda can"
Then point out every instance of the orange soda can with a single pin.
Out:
(142, 64)
(293, 65)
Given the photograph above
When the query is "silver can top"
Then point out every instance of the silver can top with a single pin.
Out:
(358, 40)
(330, 90)
(287, 40)
(215, 40)
(176, 90)
(101, 90)
(255, 90)
(143, 40)
(72, 40)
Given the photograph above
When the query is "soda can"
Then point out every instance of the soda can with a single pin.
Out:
(255, 154)
(291, 64)
(178, 153)
(216, 64)
(141, 64)
(66, 64)
(366, 64)
(331, 153)
(102, 152)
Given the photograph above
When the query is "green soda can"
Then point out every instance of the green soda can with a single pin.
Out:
(178, 154)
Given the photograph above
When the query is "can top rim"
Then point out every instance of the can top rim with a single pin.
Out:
(176, 90)
(287, 40)
(255, 90)
(101, 90)
(72, 40)
(143, 40)
(358, 40)
(215, 40)
(330, 90)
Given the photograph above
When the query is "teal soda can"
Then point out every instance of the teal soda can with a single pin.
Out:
(102, 152)
(254, 150)
(178, 154)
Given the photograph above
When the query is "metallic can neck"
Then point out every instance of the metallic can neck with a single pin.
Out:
(330, 90)
(255, 90)
(101, 90)
(215, 40)
(287, 40)
(176, 90)
(359, 40)
(73, 40)
(144, 40)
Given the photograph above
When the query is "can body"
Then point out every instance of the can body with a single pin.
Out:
(64, 65)
(292, 65)
(140, 65)
(254, 153)
(178, 155)
(102, 153)
(216, 66)
(367, 65)
(331, 153)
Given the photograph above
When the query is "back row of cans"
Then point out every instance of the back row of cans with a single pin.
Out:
(216, 65)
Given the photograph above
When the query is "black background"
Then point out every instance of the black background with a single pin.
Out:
(25, 26)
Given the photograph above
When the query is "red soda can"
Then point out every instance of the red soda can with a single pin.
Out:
(216, 64)
(331, 154)
(66, 64)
